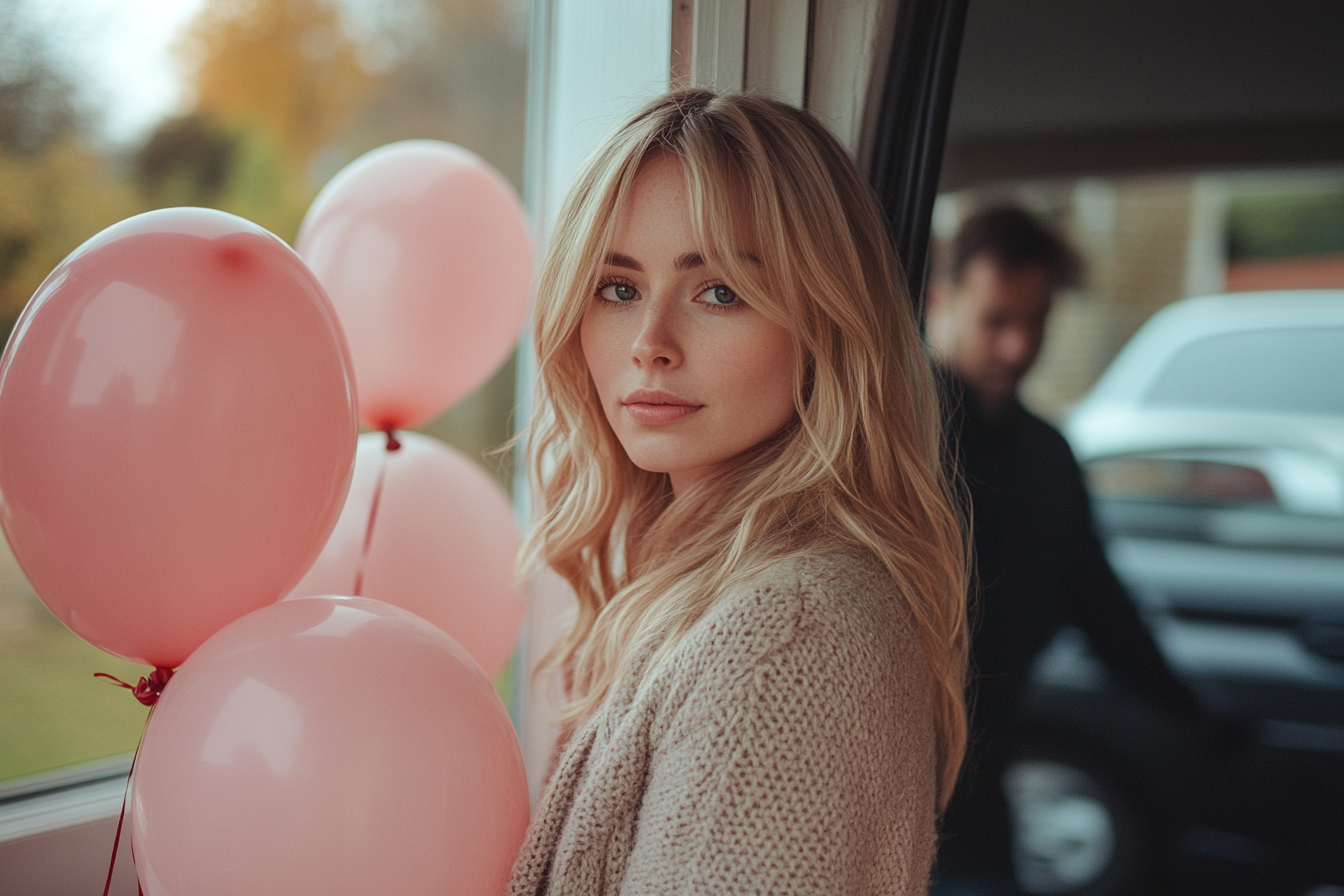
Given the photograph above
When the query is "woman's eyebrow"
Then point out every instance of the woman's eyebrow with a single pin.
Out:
(689, 262)
(617, 260)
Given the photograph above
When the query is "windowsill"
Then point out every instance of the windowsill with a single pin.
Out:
(63, 798)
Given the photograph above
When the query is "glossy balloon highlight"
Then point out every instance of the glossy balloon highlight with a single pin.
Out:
(328, 746)
(177, 429)
(427, 254)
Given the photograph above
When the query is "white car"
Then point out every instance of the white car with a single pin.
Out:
(1214, 448)
(1254, 380)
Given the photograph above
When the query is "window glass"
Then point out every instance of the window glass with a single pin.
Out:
(53, 712)
(1288, 371)
(109, 108)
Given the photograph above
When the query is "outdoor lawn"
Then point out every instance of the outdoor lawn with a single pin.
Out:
(53, 712)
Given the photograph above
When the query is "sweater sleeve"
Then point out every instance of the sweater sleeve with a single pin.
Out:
(800, 760)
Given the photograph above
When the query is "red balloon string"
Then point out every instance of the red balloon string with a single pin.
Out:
(139, 887)
(392, 445)
(116, 841)
(392, 442)
(147, 691)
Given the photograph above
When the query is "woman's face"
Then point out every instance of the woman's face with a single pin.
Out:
(689, 376)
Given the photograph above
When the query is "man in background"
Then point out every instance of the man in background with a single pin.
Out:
(1040, 564)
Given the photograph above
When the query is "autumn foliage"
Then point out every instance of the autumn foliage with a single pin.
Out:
(280, 94)
(286, 68)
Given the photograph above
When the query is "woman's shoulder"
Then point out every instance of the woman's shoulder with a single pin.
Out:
(809, 639)
(833, 589)
(808, 571)
(840, 608)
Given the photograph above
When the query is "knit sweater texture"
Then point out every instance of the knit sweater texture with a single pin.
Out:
(785, 745)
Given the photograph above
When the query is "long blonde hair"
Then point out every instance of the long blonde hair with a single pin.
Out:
(860, 467)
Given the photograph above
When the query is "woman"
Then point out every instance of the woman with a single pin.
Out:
(737, 452)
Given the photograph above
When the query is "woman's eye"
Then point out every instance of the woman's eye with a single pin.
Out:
(719, 295)
(618, 292)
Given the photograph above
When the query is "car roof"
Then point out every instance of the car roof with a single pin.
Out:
(1189, 320)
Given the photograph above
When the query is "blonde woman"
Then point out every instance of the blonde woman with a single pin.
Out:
(737, 451)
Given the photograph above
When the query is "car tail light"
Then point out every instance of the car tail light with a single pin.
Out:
(1179, 480)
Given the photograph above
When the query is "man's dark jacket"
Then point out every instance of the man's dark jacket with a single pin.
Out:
(1040, 567)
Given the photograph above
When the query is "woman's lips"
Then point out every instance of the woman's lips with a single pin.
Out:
(657, 408)
(658, 414)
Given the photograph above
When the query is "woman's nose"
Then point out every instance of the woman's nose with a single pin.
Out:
(657, 342)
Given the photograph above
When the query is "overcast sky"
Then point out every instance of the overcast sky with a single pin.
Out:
(121, 49)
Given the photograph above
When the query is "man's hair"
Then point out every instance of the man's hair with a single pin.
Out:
(1013, 239)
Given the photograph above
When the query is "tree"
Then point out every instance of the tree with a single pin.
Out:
(186, 161)
(457, 71)
(37, 98)
(55, 188)
(285, 68)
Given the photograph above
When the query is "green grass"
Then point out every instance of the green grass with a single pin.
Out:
(53, 712)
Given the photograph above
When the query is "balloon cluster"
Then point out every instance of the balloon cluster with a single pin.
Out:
(178, 423)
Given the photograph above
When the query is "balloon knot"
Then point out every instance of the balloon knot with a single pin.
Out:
(148, 690)
(391, 432)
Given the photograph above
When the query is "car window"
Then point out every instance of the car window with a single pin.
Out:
(1288, 371)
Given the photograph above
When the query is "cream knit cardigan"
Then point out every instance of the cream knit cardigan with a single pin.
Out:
(786, 745)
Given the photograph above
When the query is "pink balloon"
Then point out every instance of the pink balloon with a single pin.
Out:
(177, 429)
(328, 746)
(443, 546)
(427, 255)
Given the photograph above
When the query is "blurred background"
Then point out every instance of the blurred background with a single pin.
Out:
(1183, 149)
(1150, 239)
(109, 108)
